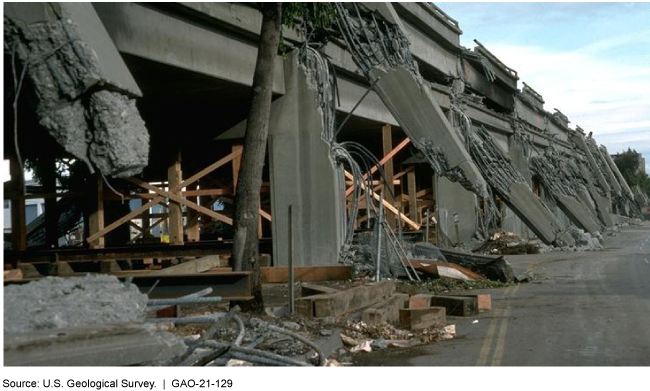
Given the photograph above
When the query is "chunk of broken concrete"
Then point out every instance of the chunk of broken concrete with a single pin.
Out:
(364, 346)
(56, 302)
(448, 332)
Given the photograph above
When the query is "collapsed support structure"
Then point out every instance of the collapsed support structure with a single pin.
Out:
(84, 92)
(400, 74)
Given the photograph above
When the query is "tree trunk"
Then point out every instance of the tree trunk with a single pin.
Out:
(246, 245)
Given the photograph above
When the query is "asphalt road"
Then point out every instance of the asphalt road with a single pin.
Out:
(582, 309)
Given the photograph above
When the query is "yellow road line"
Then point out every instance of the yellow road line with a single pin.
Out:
(487, 343)
(501, 340)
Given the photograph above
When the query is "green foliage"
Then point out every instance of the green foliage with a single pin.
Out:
(307, 19)
(628, 164)
(70, 173)
(298, 16)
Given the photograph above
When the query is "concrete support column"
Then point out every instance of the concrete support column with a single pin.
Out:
(304, 176)
(453, 199)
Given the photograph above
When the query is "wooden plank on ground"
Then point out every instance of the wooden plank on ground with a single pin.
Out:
(349, 300)
(13, 275)
(386, 311)
(484, 301)
(280, 274)
(456, 305)
(312, 289)
(422, 318)
(198, 265)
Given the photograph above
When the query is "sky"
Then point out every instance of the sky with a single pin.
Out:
(589, 60)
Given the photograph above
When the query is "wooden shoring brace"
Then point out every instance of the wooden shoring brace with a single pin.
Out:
(387, 204)
(175, 177)
(389, 187)
(192, 229)
(383, 161)
(146, 231)
(181, 201)
(161, 195)
(96, 218)
(413, 199)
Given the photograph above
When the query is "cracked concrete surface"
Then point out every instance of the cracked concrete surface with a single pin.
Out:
(56, 302)
(84, 94)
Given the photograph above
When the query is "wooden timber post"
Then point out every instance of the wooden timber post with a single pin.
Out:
(389, 187)
(175, 178)
(51, 215)
(96, 219)
(192, 229)
(413, 198)
(18, 220)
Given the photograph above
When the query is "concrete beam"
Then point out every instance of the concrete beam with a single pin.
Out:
(151, 34)
(478, 82)
(602, 204)
(610, 162)
(431, 22)
(578, 139)
(423, 121)
(612, 182)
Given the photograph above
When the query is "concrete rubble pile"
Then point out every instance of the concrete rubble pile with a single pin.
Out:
(83, 92)
(78, 321)
(98, 320)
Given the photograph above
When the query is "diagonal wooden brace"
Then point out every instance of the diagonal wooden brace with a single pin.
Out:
(180, 200)
(387, 205)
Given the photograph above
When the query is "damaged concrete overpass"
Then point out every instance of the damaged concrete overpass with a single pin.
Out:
(455, 137)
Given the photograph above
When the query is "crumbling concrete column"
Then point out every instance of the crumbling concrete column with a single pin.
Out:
(304, 176)
(83, 91)
(456, 203)
(598, 187)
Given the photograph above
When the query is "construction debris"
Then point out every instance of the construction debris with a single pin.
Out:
(493, 267)
(96, 345)
(386, 311)
(340, 303)
(422, 318)
(443, 269)
(55, 302)
(198, 265)
(13, 275)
